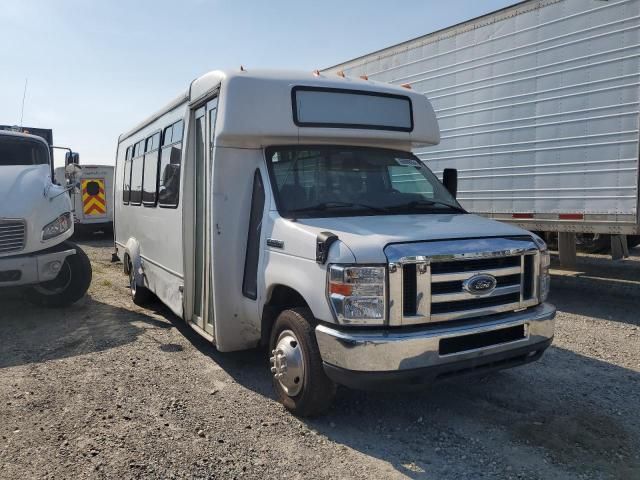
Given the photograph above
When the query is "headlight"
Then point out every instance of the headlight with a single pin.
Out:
(357, 294)
(545, 277)
(57, 227)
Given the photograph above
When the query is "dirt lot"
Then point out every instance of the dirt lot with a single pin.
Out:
(108, 389)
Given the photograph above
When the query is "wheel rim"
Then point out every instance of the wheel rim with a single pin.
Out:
(132, 281)
(287, 363)
(58, 284)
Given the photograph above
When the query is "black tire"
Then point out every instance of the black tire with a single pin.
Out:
(633, 241)
(317, 391)
(71, 283)
(140, 294)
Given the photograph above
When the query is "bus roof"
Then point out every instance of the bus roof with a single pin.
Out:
(264, 110)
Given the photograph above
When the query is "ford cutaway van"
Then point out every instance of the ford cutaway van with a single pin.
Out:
(286, 209)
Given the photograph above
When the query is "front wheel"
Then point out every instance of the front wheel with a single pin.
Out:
(298, 376)
(69, 286)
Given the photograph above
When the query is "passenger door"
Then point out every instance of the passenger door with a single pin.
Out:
(203, 315)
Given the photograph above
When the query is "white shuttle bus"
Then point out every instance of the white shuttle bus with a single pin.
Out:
(287, 210)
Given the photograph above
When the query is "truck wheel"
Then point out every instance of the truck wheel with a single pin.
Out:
(139, 293)
(298, 376)
(71, 283)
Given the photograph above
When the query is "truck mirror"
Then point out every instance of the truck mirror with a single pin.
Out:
(72, 158)
(450, 181)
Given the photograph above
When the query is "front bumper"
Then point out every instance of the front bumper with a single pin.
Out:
(32, 268)
(410, 356)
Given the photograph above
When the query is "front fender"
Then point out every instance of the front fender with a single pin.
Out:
(305, 276)
(132, 253)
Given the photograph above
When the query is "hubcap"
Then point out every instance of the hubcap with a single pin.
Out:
(287, 363)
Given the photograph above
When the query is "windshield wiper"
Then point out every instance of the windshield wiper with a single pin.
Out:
(320, 207)
(429, 203)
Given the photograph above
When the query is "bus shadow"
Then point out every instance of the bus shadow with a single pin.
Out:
(32, 334)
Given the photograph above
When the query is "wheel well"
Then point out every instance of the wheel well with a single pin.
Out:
(282, 298)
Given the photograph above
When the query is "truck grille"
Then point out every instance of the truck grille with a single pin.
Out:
(435, 287)
(12, 236)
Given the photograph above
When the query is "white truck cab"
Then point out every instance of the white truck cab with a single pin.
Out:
(35, 223)
(287, 209)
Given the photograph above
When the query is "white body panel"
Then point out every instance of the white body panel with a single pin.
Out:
(538, 106)
(100, 172)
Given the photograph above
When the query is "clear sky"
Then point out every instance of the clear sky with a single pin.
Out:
(96, 68)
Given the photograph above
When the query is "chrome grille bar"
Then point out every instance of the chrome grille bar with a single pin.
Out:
(435, 273)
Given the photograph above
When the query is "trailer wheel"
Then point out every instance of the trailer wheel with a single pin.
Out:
(298, 376)
(140, 294)
(633, 241)
(71, 283)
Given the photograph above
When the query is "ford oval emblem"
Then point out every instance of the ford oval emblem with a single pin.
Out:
(481, 284)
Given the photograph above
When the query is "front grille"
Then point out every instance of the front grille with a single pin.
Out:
(12, 236)
(438, 288)
(474, 303)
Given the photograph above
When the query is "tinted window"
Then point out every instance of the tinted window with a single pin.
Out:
(126, 183)
(166, 136)
(21, 151)
(150, 186)
(177, 131)
(153, 142)
(170, 162)
(250, 281)
(137, 165)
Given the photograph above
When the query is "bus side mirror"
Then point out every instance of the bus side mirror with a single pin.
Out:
(71, 158)
(450, 181)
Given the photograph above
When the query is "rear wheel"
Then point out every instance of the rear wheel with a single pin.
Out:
(298, 376)
(70, 285)
(140, 294)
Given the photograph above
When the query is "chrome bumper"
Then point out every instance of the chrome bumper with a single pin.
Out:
(31, 269)
(417, 348)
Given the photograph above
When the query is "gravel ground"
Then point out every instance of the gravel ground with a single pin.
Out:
(106, 389)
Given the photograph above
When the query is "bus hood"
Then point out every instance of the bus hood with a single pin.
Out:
(366, 236)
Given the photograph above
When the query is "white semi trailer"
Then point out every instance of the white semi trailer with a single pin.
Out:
(538, 109)
(36, 222)
(92, 200)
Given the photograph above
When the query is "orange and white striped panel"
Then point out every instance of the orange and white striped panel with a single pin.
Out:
(94, 199)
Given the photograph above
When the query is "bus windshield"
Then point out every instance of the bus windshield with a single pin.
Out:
(314, 182)
(22, 151)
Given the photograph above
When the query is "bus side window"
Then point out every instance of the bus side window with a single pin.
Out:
(170, 162)
(150, 180)
(137, 166)
(250, 280)
(126, 182)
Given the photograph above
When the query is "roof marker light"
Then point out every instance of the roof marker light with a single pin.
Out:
(364, 77)
(406, 85)
(340, 73)
(316, 73)
(242, 68)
